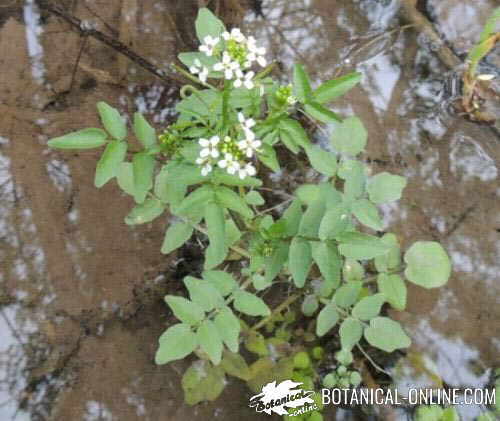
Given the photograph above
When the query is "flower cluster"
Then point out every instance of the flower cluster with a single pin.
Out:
(238, 55)
(230, 154)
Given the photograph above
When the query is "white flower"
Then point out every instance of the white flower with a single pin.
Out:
(208, 45)
(246, 123)
(249, 145)
(248, 169)
(229, 163)
(234, 35)
(207, 166)
(244, 79)
(209, 147)
(227, 66)
(291, 100)
(255, 53)
(198, 69)
(207, 169)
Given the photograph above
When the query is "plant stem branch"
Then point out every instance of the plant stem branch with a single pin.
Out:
(285, 304)
(373, 363)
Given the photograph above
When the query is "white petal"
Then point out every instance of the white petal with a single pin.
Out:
(222, 163)
(250, 122)
(242, 174)
(231, 170)
(250, 75)
(252, 57)
(214, 140)
(194, 70)
(228, 74)
(207, 40)
(249, 84)
(214, 153)
(218, 67)
(262, 61)
(237, 83)
(204, 142)
(226, 35)
(204, 153)
(256, 144)
(239, 73)
(261, 51)
(251, 170)
(200, 161)
(241, 117)
(242, 144)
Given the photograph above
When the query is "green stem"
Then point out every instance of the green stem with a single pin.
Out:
(225, 105)
(266, 71)
(277, 310)
(189, 76)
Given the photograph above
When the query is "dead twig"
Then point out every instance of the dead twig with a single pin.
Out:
(410, 14)
(115, 44)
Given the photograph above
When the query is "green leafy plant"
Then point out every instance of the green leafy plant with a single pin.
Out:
(323, 242)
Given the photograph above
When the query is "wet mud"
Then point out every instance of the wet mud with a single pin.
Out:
(81, 293)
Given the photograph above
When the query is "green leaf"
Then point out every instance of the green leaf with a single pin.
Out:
(161, 189)
(268, 157)
(229, 199)
(202, 382)
(208, 24)
(254, 198)
(301, 83)
(385, 187)
(143, 166)
(274, 263)
(350, 136)
(309, 305)
(175, 236)
(203, 293)
(334, 222)
(196, 201)
(392, 259)
(307, 193)
(108, 165)
(112, 121)
(310, 222)
(359, 246)
(326, 256)
(210, 341)
(491, 25)
(221, 280)
(353, 172)
(299, 260)
(229, 328)
(332, 89)
(233, 234)
(369, 307)
(321, 113)
(296, 132)
(250, 304)
(292, 217)
(216, 228)
(81, 139)
(347, 294)
(177, 342)
(350, 331)
(386, 334)
(322, 161)
(353, 270)
(367, 214)
(144, 132)
(125, 178)
(327, 319)
(394, 290)
(186, 311)
(145, 212)
(428, 264)
(235, 365)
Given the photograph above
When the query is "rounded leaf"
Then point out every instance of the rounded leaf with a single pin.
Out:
(327, 319)
(385, 187)
(386, 334)
(112, 121)
(250, 304)
(428, 265)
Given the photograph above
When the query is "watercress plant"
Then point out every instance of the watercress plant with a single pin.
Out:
(325, 242)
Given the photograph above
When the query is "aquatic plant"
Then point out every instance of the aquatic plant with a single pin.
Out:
(324, 246)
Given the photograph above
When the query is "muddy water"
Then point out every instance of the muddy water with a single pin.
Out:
(80, 292)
